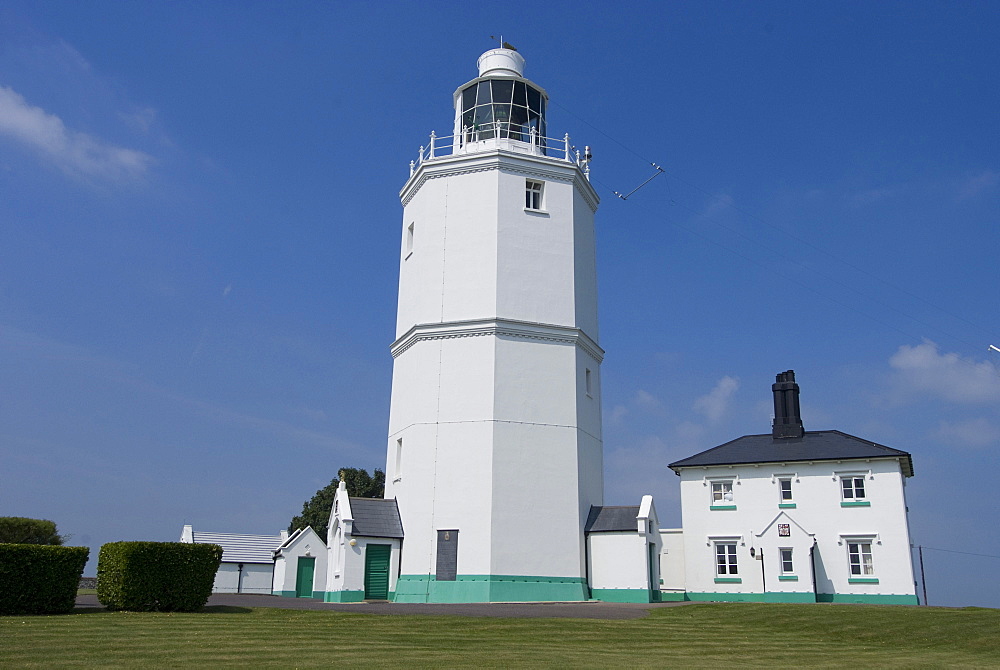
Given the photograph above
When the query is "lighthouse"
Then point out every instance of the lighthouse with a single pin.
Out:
(494, 453)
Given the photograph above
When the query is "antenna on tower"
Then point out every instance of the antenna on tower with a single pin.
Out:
(503, 45)
(656, 174)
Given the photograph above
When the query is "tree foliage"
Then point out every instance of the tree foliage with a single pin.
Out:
(316, 511)
(19, 530)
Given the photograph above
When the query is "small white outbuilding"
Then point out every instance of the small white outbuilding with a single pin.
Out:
(247, 560)
(300, 565)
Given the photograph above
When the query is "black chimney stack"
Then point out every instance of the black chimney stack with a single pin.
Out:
(787, 421)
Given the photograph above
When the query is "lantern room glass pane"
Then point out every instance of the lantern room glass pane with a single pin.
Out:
(468, 98)
(483, 97)
(520, 95)
(503, 89)
(534, 100)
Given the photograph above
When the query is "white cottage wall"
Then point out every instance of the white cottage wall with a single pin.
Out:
(818, 509)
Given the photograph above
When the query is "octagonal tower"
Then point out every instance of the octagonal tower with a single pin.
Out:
(495, 451)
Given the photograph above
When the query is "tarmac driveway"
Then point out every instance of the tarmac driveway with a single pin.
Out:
(587, 610)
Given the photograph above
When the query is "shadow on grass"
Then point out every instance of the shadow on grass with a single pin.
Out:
(225, 609)
(209, 609)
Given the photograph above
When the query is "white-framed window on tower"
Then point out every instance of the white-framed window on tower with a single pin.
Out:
(408, 244)
(533, 194)
(398, 474)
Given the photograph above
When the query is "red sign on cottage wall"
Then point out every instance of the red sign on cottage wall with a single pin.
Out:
(784, 530)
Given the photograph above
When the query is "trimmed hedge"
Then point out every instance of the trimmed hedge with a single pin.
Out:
(156, 576)
(39, 578)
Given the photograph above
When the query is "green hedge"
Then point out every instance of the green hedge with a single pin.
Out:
(38, 578)
(156, 576)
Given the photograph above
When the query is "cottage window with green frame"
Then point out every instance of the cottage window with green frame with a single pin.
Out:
(725, 559)
(852, 490)
(722, 495)
(859, 558)
(787, 565)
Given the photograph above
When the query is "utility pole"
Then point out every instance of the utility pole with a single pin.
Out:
(923, 580)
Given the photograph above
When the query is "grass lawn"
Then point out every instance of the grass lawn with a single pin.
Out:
(694, 635)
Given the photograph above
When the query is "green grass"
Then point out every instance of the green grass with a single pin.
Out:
(692, 635)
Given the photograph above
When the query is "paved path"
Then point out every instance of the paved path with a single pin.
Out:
(589, 610)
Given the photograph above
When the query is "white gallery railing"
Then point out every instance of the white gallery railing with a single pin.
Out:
(502, 135)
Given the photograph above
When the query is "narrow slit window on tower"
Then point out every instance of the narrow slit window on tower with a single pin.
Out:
(399, 460)
(409, 240)
(532, 194)
(588, 383)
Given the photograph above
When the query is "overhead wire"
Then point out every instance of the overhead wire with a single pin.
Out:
(800, 240)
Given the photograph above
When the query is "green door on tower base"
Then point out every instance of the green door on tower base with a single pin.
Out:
(304, 577)
(377, 571)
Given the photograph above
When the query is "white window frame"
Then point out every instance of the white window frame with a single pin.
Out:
(866, 570)
(398, 474)
(729, 567)
(408, 244)
(720, 485)
(781, 491)
(854, 479)
(790, 569)
(534, 191)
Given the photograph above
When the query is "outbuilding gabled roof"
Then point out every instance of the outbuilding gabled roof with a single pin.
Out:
(819, 445)
(376, 517)
(242, 548)
(604, 519)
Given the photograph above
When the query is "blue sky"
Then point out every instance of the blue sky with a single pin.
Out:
(199, 227)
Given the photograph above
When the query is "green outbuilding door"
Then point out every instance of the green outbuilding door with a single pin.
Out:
(304, 577)
(377, 571)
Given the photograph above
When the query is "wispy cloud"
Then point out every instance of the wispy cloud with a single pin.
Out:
(76, 153)
(646, 400)
(871, 196)
(975, 185)
(972, 433)
(922, 369)
(715, 403)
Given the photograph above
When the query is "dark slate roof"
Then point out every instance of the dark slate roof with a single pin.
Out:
(376, 517)
(606, 519)
(819, 445)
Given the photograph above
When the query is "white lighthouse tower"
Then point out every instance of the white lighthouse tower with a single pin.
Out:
(494, 452)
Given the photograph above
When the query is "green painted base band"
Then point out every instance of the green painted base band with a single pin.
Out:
(318, 595)
(343, 596)
(623, 595)
(867, 598)
(672, 596)
(856, 503)
(787, 506)
(489, 588)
